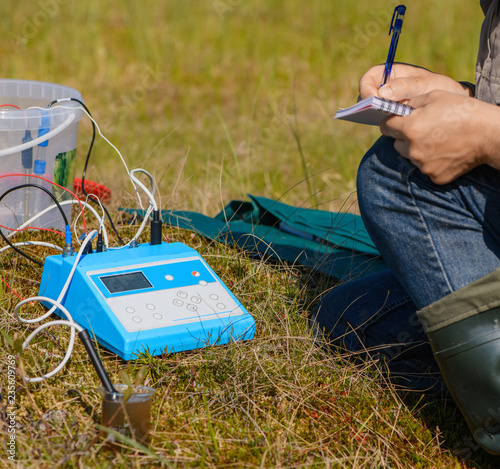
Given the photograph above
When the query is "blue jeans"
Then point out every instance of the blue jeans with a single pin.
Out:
(435, 239)
(373, 317)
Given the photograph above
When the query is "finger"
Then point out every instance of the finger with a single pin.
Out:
(401, 146)
(392, 127)
(367, 88)
(370, 82)
(399, 89)
(421, 100)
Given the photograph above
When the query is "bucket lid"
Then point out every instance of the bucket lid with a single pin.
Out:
(18, 96)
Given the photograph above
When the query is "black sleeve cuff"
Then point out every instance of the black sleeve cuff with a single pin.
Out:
(471, 86)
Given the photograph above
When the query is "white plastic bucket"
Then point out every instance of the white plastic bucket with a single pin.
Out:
(36, 141)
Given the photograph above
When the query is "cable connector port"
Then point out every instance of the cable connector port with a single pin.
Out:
(68, 249)
(99, 247)
(88, 248)
(156, 226)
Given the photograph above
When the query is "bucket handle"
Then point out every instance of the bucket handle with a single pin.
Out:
(37, 141)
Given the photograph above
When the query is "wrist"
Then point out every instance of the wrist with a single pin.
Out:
(445, 83)
(488, 135)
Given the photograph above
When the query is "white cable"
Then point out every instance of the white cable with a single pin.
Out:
(33, 243)
(139, 231)
(69, 323)
(152, 203)
(58, 322)
(149, 194)
(43, 138)
(133, 179)
(103, 215)
(100, 133)
(101, 219)
(66, 202)
(56, 304)
(65, 287)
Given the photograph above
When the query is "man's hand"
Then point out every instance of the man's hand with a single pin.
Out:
(406, 82)
(447, 134)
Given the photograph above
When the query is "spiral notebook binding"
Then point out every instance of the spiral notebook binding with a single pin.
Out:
(393, 107)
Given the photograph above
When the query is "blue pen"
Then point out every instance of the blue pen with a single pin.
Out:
(395, 28)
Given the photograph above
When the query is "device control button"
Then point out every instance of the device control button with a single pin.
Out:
(150, 306)
(213, 296)
(129, 309)
(196, 299)
(203, 283)
(192, 307)
(157, 316)
(178, 302)
(221, 306)
(169, 277)
(136, 319)
(182, 294)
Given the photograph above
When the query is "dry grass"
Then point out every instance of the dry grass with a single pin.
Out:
(279, 400)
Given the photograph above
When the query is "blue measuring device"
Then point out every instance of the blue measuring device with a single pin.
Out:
(158, 299)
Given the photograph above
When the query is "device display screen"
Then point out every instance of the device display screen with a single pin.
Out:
(125, 282)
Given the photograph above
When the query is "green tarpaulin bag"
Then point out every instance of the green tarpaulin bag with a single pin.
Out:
(334, 243)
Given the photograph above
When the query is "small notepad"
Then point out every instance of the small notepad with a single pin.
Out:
(373, 110)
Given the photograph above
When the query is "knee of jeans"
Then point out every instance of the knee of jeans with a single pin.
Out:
(333, 325)
(380, 174)
(373, 171)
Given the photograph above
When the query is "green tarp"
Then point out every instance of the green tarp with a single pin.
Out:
(334, 243)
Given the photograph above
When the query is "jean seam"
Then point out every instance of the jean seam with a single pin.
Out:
(427, 230)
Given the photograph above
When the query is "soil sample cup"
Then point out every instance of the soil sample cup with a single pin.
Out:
(131, 417)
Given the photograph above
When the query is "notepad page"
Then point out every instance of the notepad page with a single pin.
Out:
(373, 110)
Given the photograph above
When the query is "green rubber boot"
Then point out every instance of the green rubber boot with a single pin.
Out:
(468, 354)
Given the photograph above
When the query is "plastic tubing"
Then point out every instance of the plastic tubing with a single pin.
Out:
(37, 141)
(33, 243)
(56, 305)
(149, 194)
(62, 204)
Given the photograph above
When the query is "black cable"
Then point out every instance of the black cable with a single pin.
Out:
(96, 362)
(86, 165)
(36, 186)
(52, 196)
(27, 256)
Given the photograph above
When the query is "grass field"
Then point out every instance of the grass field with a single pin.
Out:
(218, 99)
